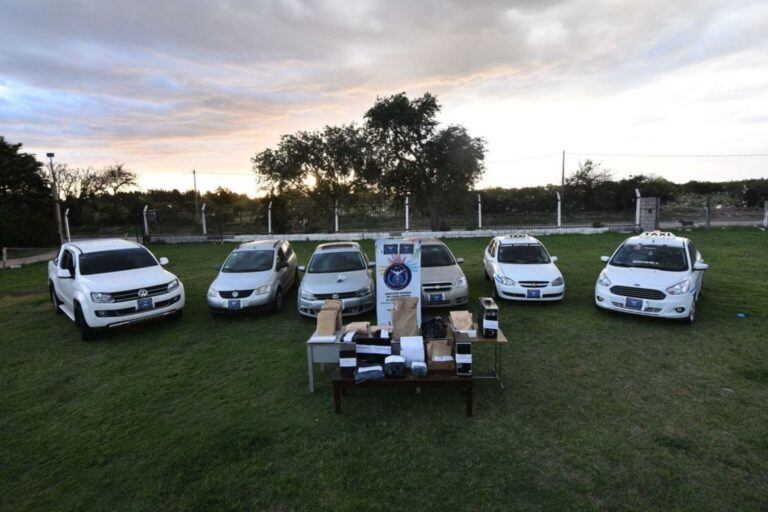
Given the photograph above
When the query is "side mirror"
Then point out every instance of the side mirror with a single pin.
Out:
(63, 273)
(604, 259)
(554, 259)
(301, 268)
(164, 260)
(700, 265)
(459, 260)
(371, 264)
(281, 265)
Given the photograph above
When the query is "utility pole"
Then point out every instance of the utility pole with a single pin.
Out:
(56, 205)
(562, 176)
(194, 184)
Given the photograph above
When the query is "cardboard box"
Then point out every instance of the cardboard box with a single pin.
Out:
(357, 327)
(440, 349)
(329, 318)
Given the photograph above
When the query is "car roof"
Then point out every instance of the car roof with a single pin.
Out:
(430, 241)
(657, 237)
(338, 247)
(103, 244)
(517, 238)
(258, 244)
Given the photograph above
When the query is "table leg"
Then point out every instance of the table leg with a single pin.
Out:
(311, 368)
(470, 397)
(337, 390)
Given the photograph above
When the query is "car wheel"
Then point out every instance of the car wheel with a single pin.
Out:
(278, 303)
(691, 314)
(486, 276)
(55, 302)
(495, 292)
(87, 333)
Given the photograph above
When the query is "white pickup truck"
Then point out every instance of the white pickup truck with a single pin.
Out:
(111, 282)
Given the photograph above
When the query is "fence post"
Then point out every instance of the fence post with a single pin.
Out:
(66, 224)
(765, 214)
(5, 257)
(144, 215)
(637, 209)
(269, 218)
(202, 219)
(479, 212)
(559, 210)
(336, 217)
(407, 213)
(709, 210)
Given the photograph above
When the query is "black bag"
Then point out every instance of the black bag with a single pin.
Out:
(434, 328)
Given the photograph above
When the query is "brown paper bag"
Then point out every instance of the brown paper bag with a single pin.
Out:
(461, 320)
(437, 348)
(357, 327)
(404, 317)
(329, 318)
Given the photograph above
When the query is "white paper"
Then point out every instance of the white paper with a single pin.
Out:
(322, 339)
(348, 337)
(412, 348)
(383, 350)
(490, 324)
(439, 359)
(464, 358)
(346, 362)
(384, 334)
(394, 359)
(364, 369)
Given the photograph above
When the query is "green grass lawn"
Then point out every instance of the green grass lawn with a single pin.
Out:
(601, 411)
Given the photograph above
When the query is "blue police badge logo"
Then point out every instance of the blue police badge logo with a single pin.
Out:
(397, 276)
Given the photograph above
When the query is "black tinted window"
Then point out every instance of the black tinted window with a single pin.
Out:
(435, 256)
(115, 261)
(522, 254)
(336, 262)
(658, 257)
(248, 261)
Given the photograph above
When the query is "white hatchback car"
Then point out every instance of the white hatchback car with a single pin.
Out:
(520, 268)
(652, 274)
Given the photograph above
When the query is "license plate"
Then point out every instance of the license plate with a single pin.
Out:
(144, 303)
(631, 303)
(436, 297)
(534, 294)
(233, 304)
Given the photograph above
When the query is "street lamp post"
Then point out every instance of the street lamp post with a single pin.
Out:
(56, 205)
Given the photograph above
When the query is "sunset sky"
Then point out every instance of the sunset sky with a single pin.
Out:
(167, 87)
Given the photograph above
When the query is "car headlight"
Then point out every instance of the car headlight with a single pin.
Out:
(264, 289)
(558, 282)
(212, 292)
(362, 292)
(306, 295)
(461, 282)
(102, 297)
(679, 288)
(603, 279)
(505, 280)
(173, 285)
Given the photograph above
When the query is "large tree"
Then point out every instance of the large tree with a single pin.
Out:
(412, 155)
(25, 199)
(325, 165)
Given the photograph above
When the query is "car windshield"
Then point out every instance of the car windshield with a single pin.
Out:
(248, 261)
(523, 254)
(336, 262)
(115, 261)
(659, 257)
(436, 256)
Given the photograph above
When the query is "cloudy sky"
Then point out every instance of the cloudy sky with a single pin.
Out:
(166, 87)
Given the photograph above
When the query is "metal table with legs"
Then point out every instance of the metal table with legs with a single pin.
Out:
(497, 342)
(321, 352)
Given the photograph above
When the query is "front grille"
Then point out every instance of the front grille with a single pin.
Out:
(104, 313)
(640, 293)
(436, 287)
(342, 295)
(240, 294)
(134, 294)
(533, 284)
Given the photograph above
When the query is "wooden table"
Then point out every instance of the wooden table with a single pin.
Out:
(433, 378)
(497, 342)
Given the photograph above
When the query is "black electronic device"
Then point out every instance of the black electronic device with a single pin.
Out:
(487, 317)
(463, 356)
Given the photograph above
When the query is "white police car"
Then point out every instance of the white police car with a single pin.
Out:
(652, 274)
(520, 268)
